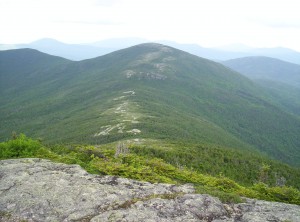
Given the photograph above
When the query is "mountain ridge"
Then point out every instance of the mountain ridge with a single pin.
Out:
(280, 80)
(259, 67)
(91, 50)
(140, 92)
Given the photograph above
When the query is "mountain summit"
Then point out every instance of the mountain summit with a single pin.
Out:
(148, 91)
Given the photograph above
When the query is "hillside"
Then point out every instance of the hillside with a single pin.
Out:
(285, 95)
(147, 91)
(21, 69)
(265, 68)
(279, 79)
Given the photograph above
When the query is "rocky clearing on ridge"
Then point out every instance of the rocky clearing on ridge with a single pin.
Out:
(40, 190)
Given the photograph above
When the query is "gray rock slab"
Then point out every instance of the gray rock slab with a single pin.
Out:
(40, 190)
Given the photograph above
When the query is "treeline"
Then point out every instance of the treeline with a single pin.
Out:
(242, 166)
(127, 161)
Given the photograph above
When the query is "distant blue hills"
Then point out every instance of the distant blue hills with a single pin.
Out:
(91, 50)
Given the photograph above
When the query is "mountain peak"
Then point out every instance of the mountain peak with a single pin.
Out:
(47, 41)
(26, 54)
(152, 90)
(153, 46)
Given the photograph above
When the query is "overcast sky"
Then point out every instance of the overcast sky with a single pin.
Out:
(257, 23)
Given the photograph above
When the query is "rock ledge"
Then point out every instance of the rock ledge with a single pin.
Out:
(40, 190)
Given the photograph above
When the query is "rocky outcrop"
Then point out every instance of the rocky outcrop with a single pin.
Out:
(40, 190)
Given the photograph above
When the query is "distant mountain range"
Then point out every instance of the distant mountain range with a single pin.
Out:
(69, 51)
(148, 91)
(265, 68)
(91, 50)
(231, 52)
(281, 79)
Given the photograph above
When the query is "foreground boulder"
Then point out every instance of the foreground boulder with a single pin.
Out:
(40, 190)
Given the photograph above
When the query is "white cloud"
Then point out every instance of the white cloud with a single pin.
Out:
(260, 23)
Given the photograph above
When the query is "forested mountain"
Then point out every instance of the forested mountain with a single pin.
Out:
(287, 96)
(265, 68)
(280, 80)
(148, 91)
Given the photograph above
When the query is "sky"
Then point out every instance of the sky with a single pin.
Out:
(209, 23)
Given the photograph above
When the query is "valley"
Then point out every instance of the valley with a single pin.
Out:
(152, 106)
(152, 90)
(149, 111)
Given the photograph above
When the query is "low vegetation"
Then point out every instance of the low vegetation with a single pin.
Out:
(126, 161)
(177, 97)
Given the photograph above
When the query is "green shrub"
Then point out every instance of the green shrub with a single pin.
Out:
(225, 197)
(281, 194)
(21, 146)
(102, 160)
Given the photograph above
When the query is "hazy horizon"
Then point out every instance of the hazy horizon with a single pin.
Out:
(214, 23)
(126, 42)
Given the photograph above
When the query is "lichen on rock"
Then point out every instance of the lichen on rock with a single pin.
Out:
(40, 190)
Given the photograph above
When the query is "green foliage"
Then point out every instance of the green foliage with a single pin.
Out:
(263, 174)
(20, 146)
(224, 196)
(266, 68)
(135, 167)
(199, 101)
(244, 167)
(281, 194)
(286, 96)
(102, 160)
